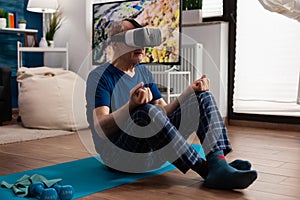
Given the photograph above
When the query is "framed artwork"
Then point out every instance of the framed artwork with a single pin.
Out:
(30, 40)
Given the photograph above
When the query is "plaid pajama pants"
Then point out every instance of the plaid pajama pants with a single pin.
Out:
(151, 138)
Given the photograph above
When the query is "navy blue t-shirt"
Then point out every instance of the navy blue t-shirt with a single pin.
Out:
(109, 86)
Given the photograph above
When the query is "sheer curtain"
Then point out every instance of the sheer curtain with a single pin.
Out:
(267, 61)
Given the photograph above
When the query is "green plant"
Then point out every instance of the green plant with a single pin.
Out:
(2, 13)
(22, 21)
(55, 24)
(192, 4)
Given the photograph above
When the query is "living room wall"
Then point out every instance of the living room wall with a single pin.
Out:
(8, 43)
(73, 31)
(76, 31)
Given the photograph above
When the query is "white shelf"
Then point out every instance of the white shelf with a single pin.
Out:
(17, 30)
(174, 95)
(177, 79)
(44, 49)
(21, 50)
(172, 73)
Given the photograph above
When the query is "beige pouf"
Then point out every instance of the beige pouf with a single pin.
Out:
(51, 98)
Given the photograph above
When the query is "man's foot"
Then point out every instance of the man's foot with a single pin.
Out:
(240, 164)
(223, 176)
(202, 169)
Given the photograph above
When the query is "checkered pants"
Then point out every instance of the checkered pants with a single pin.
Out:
(151, 138)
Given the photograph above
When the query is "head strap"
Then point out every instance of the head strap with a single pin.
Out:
(133, 22)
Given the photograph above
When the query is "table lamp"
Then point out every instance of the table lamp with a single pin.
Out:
(42, 6)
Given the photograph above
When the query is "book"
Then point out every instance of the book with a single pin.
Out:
(7, 20)
(11, 20)
(16, 19)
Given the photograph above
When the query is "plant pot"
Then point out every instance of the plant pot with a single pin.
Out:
(192, 16)
(50, 43)
(2, 23)
(22, 26)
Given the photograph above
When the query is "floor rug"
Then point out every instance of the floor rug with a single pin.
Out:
(17, 133)
(87, 176)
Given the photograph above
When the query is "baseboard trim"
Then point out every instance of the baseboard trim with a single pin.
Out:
(266, 125)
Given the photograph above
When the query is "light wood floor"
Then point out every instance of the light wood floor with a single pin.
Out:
(275, 154)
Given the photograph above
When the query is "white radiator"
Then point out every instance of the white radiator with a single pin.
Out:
(174, 79)
(191, 59)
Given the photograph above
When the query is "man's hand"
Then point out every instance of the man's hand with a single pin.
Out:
(140, 95)
(201, 84)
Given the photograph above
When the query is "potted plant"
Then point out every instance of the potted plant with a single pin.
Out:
(192, 11)
(22, 23)
(55, 24)
(2, 18)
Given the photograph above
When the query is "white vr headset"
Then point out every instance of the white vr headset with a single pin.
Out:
(139, 37)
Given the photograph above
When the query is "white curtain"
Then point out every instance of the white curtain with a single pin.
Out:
(289, 8)
(267, 61)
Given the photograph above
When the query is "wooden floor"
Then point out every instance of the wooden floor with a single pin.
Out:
(275, 154)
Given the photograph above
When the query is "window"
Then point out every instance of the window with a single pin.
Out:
(267, 63)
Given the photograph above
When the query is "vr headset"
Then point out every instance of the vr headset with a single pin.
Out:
(139, 37)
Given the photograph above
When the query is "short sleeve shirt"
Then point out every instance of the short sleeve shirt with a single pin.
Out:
(109, 86)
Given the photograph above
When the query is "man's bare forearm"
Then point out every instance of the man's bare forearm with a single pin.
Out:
(112, 123)
(169, 108)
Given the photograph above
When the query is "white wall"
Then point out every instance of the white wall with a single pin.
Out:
(214, 37)
(73, 31)
(77, 32)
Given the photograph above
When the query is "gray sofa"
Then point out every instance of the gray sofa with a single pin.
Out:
(5, 95)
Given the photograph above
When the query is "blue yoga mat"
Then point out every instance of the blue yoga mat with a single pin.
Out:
(87, 176)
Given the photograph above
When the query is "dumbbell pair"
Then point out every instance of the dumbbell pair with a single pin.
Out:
(56, 192)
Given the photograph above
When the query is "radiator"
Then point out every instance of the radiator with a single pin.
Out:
(172, 80)
(191, 59)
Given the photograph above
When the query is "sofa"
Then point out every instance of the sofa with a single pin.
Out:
(5, 95)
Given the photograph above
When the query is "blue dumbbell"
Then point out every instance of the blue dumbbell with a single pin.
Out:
(39, 191)
(65, 192)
